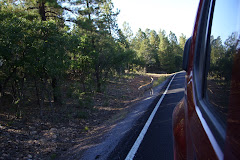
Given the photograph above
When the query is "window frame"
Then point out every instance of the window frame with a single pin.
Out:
(200, 72)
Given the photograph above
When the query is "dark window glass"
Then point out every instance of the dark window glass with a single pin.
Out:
(223, 41)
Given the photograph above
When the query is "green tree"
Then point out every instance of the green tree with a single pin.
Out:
(182, 41)
(176, 51)
(127, 31)
(32, 50)
(170, 52)
(141, 45)
(164, 52)
(154, 65)
(126, 57)
(97, 21)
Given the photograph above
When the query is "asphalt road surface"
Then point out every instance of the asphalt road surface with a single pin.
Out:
(157, 141)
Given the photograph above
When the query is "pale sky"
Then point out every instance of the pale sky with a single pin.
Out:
(177, 16)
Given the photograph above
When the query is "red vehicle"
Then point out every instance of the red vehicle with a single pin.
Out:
(206, 123)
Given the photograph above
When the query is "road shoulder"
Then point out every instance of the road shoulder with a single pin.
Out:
(109, 141)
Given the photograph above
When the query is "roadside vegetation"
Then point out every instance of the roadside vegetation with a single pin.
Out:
(79, 121)
(66, 68)
(43, 61)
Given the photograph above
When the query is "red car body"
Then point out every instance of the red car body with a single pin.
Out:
(197, 132)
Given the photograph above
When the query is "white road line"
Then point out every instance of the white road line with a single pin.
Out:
(137, 143)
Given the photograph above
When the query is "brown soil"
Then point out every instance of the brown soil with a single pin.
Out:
(69, 125)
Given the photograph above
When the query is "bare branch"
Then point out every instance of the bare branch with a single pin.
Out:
(51, 12)
(32, 8)
(68, 20)
(67, 9)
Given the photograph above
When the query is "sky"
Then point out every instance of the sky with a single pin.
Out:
(177, 16)
(227, 22)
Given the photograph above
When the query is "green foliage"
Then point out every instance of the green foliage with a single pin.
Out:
(30, 51)
(222, 57)
(182, 41)
(86, 129)
(158, 52)
(84, 98)
(38, 52)
(165, 53)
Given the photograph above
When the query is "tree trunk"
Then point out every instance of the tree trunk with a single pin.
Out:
(37, 91)
(7, 80)
(89, 14)
(84, 86)
(98, 78)
(41, 103)
(42, 97)
(55, 91)
(42, 11)
(49, 96)
(1, 94)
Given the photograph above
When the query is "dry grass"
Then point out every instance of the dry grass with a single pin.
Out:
(81, 121)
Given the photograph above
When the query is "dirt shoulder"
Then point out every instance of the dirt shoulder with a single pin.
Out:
(72, 126)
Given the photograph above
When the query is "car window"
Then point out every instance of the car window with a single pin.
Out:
(224, 41)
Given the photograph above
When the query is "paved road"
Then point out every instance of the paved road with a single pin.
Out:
(158, 140)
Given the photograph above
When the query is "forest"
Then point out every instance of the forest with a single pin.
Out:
(69, 72)
(42, 45)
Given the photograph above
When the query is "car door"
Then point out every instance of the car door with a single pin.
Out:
(212, 97)
(215, 82)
